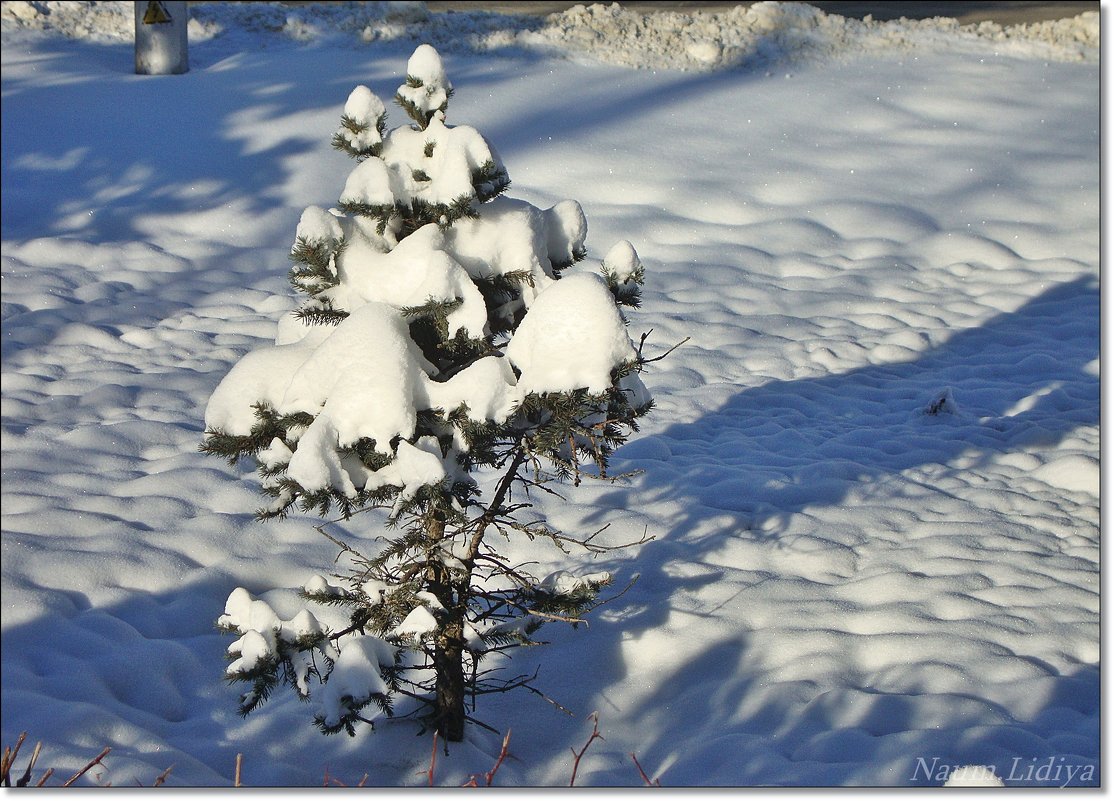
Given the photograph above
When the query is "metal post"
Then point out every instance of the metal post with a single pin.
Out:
(161, 38)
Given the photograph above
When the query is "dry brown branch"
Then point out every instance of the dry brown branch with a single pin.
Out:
(92, 763)
(545, 697)
(481, 724)
(8, 760)
(11, 754)
(30, 766)
(339, 543)
(161, 778)
(561, 618)
(642, 341)
(577, 755)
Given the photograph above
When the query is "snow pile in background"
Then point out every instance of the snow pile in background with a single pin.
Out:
(770, 32)
(763, 33)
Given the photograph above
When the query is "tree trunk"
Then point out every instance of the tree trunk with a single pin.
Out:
(448, 654)
(448, 661)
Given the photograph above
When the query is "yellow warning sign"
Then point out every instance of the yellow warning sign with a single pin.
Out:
(156, 13)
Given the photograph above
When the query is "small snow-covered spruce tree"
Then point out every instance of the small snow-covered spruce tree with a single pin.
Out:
(443, 339)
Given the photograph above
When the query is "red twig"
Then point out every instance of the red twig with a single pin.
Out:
(94, 761)
(432, 759)
(489, 777)
(578, 754)
(646, 779)
(10, 755)
(339, 783)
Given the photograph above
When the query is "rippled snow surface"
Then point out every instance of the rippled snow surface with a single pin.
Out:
(872, 476)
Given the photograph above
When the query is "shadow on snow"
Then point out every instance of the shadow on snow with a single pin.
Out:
(1023, 379)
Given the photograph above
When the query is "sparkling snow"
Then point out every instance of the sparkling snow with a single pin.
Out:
(850, 221)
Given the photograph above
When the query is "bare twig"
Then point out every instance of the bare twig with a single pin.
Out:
(500, 493)
(561, 618)
(333, 780)
(646, 779)
(623, 591)
(481, 724)
(339, 543)
(161, 778)
(432, 759)
(489, 777)
(93, 762)
(545, 697)
(502, 568)
(10, 755)
(587, 543)
(338, 783)
(531, 483)
(30, 766)
(577, 755)
(642, 341)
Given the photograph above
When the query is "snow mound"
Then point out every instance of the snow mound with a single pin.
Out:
(1073, 472)
(974, 776)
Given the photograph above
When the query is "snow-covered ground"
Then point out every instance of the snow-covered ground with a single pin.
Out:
(855, 223)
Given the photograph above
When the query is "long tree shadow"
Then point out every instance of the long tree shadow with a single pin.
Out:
(743, 729)
(740, 708)
(1022, 379)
